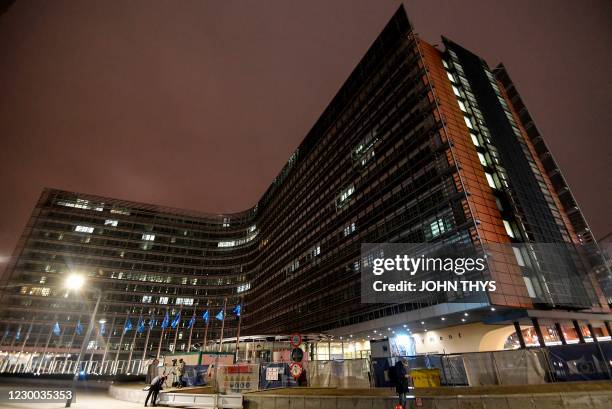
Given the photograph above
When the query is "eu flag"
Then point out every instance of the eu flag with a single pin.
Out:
(191, 321)
(152, 322)
(219, 316)
(166, 321)
(206, 316)
(56, 329)
(102, 328)
(79, 328)
(237, 310)
(176, 320)
(127, 326)
(141, 325)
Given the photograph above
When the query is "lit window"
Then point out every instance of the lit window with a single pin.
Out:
(243, 287)
(120, 211)
(84, 229)
(456, 91)
(483, 160)
(109, 222)
(490, 180)
(508, 228)
(345, 194)
(468, 122)
(444, 63)
(184, 301)
(474, 139)
(226, 222)
(518, 256)
(147, 298)
(316, 250)
(450, 76)
(437, 227)
(149, 237)
(462, 106)
(163, 300)
(349, 229)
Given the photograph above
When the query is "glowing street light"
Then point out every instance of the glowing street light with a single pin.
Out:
(74, 281)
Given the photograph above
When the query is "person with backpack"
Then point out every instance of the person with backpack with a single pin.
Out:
(157, 385)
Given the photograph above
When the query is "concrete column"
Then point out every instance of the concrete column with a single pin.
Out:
(519, 334)
(578, 331)
(538, 330)
(560, 333)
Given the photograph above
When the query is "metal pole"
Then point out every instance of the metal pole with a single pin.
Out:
(144, 351)
(120, 342)
(72, 340)
(178, 324)
(238, 332)
(23, 344)
(519, 334)
(191, 330)
(134, 341)
(110, 334)
(84, 347)
(46, 347)
(161, 338)
(560, 333)
(222, 324)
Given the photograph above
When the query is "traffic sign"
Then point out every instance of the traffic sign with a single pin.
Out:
(296, 340)
(295, 368)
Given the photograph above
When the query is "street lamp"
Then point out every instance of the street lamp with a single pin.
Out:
(76, 282)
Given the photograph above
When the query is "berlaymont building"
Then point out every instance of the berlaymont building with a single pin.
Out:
(422, 144)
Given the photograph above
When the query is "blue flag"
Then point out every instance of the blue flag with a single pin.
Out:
(152, 322)
(79, 328)
(192, 321)
(102, 328)
(56, 329)
(206, 316)
(237, 310)
(166, 321)
(141, 325)
(127, 326)
(176, 320)
(219, 316)
(18, 334)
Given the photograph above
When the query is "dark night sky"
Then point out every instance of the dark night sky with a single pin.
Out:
(198, 104)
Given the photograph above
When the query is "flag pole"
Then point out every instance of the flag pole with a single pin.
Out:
(191, 330)
(206, 328)
(161, 338)
(120, 341)
(222, 323)
(72, 341)
(144, 351)
(134, 340)
(238, 331)
(46, 346)
(23, 344)
(110, 333)
(178, 324)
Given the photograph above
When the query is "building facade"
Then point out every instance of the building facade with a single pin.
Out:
(419, 145)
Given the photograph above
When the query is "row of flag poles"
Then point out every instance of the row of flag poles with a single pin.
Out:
(142, 326)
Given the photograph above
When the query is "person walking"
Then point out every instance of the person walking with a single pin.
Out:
(402, 381)
(157, 385)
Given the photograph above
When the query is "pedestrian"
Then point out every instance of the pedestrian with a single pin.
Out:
(181, 372)
(156, 385)
(152, 371)
(402, 381)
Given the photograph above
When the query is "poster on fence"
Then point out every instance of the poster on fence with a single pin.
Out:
(238, 378)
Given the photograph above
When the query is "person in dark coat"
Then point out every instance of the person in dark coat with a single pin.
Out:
(402, 381)
(157, 384)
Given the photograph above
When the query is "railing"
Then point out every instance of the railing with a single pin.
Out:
(63, 366)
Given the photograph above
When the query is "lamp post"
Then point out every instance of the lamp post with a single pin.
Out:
(75, 282)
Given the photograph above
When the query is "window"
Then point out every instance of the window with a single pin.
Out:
(163, 300)
(490, 180)
(474, 139)
(462, 106)
(345, 194)
(146, 298)
(243, 287)
(226, 222)
(518, 256)
(468, 122)
(349, 229)
(109, 222)
(184, 301)
(316, 250)
(437, 227)
(508, 228)
(450, 77)
(84, 229)
(120, 211)
(456, 91)
(148, 237)
(482, 159)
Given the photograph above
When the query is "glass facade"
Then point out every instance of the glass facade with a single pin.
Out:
(419, 145)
